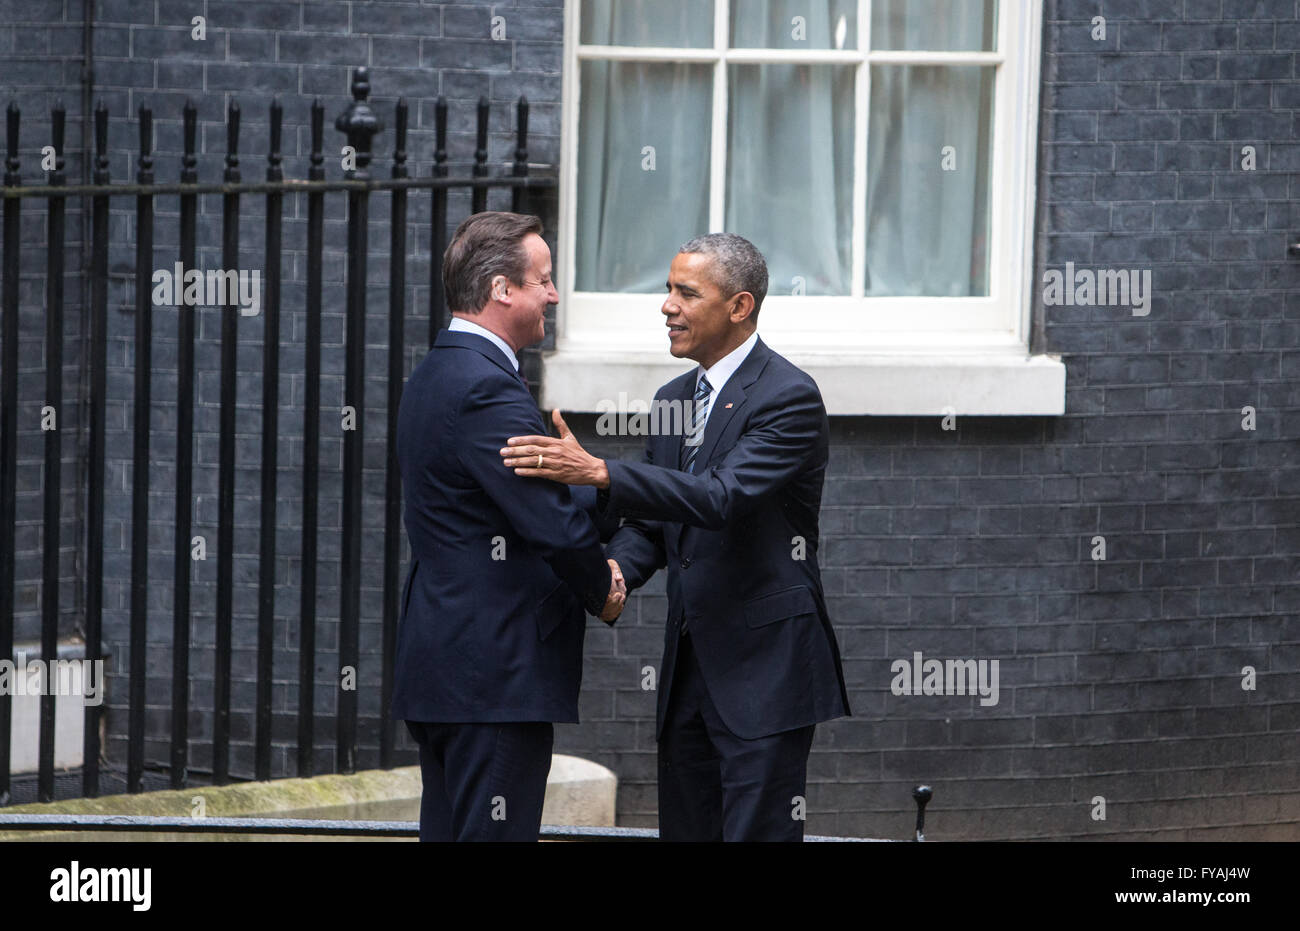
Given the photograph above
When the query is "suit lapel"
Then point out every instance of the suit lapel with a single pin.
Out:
(729, 401)
(684, 395)
(671, 444)
(733, 393)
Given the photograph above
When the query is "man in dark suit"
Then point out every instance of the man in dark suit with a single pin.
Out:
(489, 649)
(730, 507)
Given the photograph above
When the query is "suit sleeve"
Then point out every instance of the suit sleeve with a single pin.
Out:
(585, 497)
(638, 545)
(541, 512)
(780, 439)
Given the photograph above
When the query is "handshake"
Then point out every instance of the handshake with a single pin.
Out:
(617, 595)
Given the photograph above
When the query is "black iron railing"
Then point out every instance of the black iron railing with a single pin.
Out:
(359, 124)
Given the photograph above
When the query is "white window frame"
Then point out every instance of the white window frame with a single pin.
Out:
(968, 355)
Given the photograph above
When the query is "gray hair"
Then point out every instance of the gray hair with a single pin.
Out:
(738, 265)
(486, 245)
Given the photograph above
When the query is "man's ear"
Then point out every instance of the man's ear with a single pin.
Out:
(500, 288)
(743, 307)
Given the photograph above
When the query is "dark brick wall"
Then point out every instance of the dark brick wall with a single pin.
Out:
(1119, 679)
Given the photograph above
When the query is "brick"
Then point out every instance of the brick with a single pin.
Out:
(1258, 9)
(322, 49)
(1256, 66)
(1195, 96)
(1139, 66)
(1191, 36)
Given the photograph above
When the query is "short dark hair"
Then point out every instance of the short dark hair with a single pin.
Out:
(738, 265)
(485, 245)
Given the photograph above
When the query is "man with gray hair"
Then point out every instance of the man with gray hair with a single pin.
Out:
(750, 663)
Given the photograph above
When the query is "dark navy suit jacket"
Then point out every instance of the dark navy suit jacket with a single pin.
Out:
(501, 567)
(731, 535)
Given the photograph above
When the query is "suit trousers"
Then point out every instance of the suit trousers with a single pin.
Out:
(482, 782)
(715, 786)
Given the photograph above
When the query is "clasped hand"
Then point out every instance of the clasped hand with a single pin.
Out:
(617, 594)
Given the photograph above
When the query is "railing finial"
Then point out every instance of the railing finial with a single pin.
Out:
(101, 143)
(360, 123)
(12, 177)
(231, 175)
(190, 133)
(144, 172)
(274, 160)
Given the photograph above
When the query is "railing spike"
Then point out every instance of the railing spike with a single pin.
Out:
(12, 117)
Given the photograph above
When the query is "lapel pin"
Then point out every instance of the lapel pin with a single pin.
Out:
(728, 407)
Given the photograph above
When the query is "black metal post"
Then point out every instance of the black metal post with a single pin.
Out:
(226, 468)
(922, 795)
(9, 428)
(519, 197)
(182, 559)
(53, 454)
(98, 350)
(393, 478)
(438, 237)
(270, 459)
(311, 449)
(360, 124)
(140, 457)
(481, 156)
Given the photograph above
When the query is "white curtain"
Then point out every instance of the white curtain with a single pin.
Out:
(663, 23)
(643, 171)
(644, 140)
(790, 145)
(934, 25)
(798, 24)
(789, 170)
(927, 228)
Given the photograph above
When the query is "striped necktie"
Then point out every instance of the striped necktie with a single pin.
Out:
(691, 445)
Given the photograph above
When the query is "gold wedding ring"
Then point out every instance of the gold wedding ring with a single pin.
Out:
(539, 460)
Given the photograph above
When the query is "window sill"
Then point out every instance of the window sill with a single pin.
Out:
(919, 384)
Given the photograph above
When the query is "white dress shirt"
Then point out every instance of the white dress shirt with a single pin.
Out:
(724, 368)
(461, 325)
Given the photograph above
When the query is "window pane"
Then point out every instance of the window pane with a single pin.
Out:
(643, 170)
(934, 25)
(790, 172)
(665, 23)
(801, 24)
(928, 172)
